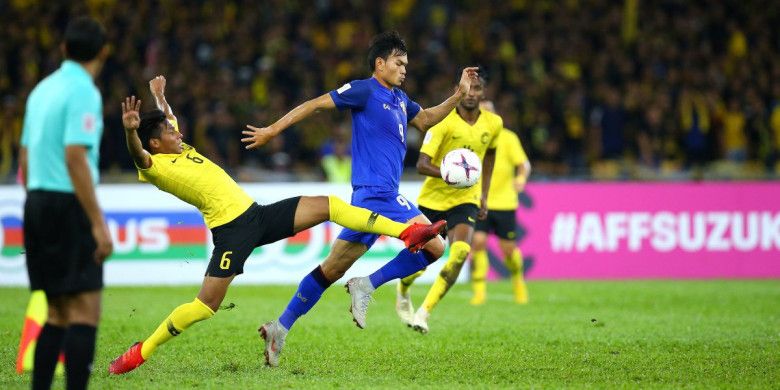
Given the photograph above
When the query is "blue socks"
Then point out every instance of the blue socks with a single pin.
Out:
(314, 284)
(309, 292)
(403, 265)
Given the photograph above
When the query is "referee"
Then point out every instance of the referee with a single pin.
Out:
(65, 234)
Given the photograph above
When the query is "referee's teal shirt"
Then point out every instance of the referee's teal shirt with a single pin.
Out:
(64, 109)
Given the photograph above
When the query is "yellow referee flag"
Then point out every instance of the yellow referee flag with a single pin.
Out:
(37, 312)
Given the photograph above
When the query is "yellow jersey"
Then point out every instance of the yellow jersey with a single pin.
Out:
(509, 154)
(196, 180)
(452, 133)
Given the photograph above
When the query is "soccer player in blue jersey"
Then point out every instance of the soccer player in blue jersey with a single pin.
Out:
(380, 114)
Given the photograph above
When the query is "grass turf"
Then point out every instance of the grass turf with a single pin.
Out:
(649, 334)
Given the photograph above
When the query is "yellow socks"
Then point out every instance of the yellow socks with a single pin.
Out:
(479, 268)
(403, 286)
(515, 266)
(446, 278)
(363, 220)
(180, 319)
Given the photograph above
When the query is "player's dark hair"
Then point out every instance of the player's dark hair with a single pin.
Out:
(384, 45)
(84, 38)
(150, 126)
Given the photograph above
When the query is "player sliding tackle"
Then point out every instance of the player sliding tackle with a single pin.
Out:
(380, 114)
(237, 223)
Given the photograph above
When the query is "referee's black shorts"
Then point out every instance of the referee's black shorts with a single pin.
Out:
(59, 245)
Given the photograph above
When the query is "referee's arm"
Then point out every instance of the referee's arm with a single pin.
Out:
(81, 177)
(23, 166)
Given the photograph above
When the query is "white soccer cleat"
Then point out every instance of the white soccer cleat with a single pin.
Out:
(274, 334)
(403, 306)
(360, 289)
(420, 321)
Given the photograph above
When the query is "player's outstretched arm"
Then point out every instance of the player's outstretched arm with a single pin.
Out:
(258, 136)
(131, 120)
(487, 172)
(433, 115)
(157, 87)
(426, 167)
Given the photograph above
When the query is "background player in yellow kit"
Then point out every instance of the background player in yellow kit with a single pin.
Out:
(510, 173)
(465, 127)
(238, 224)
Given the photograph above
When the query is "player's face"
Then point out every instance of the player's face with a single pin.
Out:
(393, 71)
(170, 139)
(475, 95)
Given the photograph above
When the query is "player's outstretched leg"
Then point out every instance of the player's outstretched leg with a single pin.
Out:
(414, 236)
(446, 278)
(479, 268)
(180, 319)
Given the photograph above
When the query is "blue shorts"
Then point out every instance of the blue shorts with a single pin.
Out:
(387, 202)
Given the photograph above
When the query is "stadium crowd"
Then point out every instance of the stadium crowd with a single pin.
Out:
(596, 89)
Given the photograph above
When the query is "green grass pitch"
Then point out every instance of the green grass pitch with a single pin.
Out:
(648, 334)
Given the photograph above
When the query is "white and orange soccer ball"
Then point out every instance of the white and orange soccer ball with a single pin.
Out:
(461, 168)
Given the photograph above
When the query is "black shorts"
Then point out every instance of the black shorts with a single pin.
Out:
(257, 226)
(501, 222)
(462, 213)
(59, 245)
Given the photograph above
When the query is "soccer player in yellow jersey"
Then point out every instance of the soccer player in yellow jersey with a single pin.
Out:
(510, 173)
(465, 127)
(238, 224)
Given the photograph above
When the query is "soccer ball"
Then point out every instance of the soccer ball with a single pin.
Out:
(461, 168)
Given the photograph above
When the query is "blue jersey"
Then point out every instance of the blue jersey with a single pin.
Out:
(379, 118)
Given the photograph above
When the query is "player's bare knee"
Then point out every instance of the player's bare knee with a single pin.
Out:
(57, 315)
(319, 206)
(84, 308)
(478, 242)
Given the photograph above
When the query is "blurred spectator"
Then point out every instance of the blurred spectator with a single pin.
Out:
(656, 82)
(338, 165)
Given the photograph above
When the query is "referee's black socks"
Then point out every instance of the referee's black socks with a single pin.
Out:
(46, 352)
(79, 347)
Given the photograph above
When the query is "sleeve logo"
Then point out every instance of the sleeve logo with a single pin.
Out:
(88, 122)
(344, 88)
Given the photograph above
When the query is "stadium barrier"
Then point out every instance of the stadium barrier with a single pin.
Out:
(572, 231)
